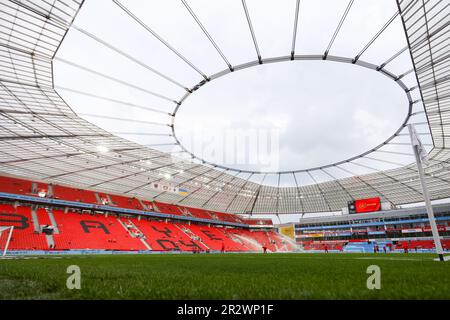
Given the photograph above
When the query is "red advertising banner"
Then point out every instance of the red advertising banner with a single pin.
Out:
(367, 205)
(439, 227)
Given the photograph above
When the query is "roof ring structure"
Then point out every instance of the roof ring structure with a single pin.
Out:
(257, 63)
(43, 139)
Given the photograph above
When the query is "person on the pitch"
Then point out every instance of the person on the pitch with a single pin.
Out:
(325, 248)
(264, 248)
(222, 250)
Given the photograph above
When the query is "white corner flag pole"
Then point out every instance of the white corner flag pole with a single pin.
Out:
(420, 154)
(8, 240)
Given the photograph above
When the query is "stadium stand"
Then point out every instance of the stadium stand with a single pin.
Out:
(401, 230)
(17, 186)
(24, 187)
(73, 194)
(90, 220)
(214, 238)
(100, 221)
(320, 245)
(167, 208)
(192, 212)
(163, 236)
(259, 222)
(124, 202)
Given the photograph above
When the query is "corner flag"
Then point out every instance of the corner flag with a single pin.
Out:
(415, 140)
(421, 157)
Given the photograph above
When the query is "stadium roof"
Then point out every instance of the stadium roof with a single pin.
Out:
(42, 138)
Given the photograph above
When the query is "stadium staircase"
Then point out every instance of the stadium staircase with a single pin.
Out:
(185, 211)
(164, 236)
(134, 231)
(43, 219)
(35, 219)
(192, 212)
(214, 238)
(154, 206)
(148, 205)
(191, 235)
(52, 221)
(143, 205)
(247, 240)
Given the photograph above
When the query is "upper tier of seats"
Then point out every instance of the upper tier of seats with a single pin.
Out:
(17, 186)
(259, 222)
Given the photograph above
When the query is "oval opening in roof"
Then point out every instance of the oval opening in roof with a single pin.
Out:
(291, 115)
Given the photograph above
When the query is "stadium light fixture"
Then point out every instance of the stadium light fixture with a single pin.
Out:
(102, 149)
(167, 176)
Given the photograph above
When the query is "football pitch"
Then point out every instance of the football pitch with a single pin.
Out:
(226, 276)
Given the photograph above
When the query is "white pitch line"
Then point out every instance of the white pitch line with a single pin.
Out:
(446, 258)
(387, 258)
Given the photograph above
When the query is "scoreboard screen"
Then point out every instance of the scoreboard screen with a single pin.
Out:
(364, 205)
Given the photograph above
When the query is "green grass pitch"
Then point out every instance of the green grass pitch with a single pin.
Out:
(226, 276)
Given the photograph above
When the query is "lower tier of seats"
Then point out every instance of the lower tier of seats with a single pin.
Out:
(373, 246)
(76, 230)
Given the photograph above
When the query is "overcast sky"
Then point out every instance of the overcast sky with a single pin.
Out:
(317, 112)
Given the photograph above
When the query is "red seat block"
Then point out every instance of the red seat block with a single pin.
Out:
(86, 231)
(24, 237)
